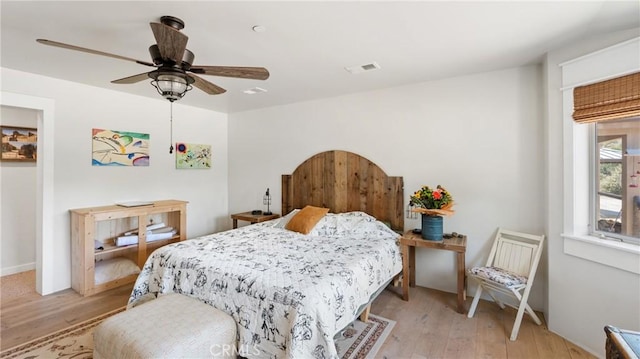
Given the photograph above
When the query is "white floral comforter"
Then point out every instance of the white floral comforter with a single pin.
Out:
(289, 293)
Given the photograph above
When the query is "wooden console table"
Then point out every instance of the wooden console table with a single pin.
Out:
(410, 241)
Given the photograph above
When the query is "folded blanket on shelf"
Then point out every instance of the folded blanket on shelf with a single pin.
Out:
(167, 232)
(150, 227)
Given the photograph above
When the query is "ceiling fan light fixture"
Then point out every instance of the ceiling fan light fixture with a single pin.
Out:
(173, 75)
(171, 84)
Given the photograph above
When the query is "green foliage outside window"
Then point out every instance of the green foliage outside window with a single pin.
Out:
(611, 172)
(610, 178)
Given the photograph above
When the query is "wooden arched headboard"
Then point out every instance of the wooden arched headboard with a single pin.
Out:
(344, 182)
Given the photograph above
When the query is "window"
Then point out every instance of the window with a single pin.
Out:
(575, 213)
(616, 204)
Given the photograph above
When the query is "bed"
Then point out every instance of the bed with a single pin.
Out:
(291, 293)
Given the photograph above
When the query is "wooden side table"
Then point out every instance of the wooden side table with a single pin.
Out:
(410, 241)
(253, 218)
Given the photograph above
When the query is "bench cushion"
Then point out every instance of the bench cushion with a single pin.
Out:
(171, 326)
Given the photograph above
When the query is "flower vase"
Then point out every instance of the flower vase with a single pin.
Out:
(431, 227)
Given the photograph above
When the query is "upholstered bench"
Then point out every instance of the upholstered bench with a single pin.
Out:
(171, 326)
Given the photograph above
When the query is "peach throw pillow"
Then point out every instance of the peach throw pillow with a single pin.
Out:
(304, 221)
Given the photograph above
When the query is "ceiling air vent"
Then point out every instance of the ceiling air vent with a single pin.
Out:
(362, 68)
(255, 90)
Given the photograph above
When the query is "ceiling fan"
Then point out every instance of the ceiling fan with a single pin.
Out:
(174, 73)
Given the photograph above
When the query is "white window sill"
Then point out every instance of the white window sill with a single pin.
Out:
(609, 252)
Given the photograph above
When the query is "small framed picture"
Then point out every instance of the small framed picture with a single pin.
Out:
(19, 144)
(193, 156)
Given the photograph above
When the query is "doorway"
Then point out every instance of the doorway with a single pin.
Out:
(18, 198)
(44, 261)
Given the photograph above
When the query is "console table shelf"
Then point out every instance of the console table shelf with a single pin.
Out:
(104, 224)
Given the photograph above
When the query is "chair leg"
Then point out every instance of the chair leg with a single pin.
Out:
(496, 299)
(533, 315)
(521, 308)
(530, 311)
(474, 304)
(516, 324)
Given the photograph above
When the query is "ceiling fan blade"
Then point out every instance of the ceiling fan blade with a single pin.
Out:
(171, 42)
(90, 51)
(206, 86)
(255, 73)
(132, 79)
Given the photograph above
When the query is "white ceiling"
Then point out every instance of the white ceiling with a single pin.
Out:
(306, 45)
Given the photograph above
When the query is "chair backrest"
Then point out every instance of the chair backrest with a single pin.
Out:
(516, 252)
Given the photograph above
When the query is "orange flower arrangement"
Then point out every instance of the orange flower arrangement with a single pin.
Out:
(432, 202)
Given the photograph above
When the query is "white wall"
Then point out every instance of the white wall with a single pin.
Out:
(480, 136)
(76, 183)
(18, 198)
(584, 296)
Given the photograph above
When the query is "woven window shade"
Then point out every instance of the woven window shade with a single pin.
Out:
(607, 100)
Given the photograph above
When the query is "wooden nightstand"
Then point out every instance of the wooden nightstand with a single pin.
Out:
(253, 218)
(409, 241)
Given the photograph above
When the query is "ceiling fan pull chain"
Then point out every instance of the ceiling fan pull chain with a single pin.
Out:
(171, 128)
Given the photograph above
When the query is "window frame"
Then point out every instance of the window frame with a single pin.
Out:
(607, 63)
(579, 174)
(594, 185)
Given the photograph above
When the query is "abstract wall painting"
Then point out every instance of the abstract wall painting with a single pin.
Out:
(193, 156)
(19, 144)
(120, 148)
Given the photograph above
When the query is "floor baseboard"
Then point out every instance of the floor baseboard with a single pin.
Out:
(17, 269)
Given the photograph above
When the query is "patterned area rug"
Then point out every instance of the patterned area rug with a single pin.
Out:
(363, 340)
(359, 340)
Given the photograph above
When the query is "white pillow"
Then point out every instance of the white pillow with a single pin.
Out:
(284, 220)
(349, 224)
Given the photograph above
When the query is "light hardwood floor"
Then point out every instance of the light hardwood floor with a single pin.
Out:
(427, 326)
(32, 316)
